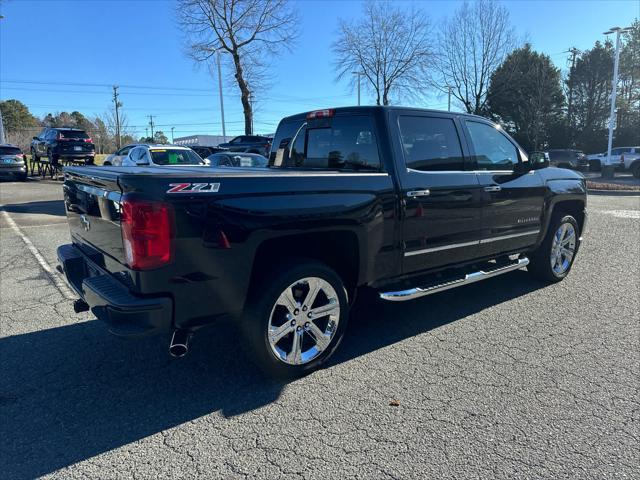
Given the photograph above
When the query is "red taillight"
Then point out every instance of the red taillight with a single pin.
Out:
(326, 113)
(147, 233)
(88, 140)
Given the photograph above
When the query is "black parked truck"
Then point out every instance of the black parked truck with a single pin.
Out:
(403, 202)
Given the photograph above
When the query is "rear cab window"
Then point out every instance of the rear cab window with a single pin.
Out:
(343, 143)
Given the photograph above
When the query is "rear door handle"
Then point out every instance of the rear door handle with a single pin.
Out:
(493, 188)
(418, 193)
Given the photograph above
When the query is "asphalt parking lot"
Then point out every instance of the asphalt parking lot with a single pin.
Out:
(509, 378)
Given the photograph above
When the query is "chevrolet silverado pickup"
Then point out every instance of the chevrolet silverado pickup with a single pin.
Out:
(399, 201)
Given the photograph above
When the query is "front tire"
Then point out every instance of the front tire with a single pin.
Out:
(295, 318)
(552, 261)
(635, 170)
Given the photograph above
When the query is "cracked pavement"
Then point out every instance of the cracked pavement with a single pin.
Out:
(508, 378)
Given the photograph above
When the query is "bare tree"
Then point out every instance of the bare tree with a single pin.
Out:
(249, 30)
(472, 44)
(390, 47)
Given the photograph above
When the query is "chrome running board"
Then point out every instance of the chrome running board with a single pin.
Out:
(412, 293)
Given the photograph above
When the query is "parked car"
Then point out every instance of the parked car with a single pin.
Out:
(623, 158)
(12, 162)
(205, 151)
(388, 199)
(115, 159)
(249, 144)
(567, 158)
(63, 144)
(236, 160)
(161, 155)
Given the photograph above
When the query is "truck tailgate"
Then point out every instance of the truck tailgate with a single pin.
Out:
(92, 201)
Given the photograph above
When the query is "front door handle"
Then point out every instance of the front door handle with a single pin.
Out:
(493, 188)
(418, 193)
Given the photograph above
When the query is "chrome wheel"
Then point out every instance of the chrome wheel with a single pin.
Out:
(563, 248)
(303, 321)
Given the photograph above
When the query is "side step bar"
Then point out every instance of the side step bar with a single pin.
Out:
(418, 292)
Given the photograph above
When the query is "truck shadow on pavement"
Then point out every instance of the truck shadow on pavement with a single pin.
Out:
(73, 392)
(44, 207)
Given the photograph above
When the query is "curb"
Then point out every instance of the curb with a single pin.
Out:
(615, 193)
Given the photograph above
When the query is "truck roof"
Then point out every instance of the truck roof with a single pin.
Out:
(377, 108)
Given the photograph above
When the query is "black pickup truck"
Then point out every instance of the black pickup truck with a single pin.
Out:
(403, 202)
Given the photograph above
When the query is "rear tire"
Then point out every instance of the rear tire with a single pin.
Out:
(283, 335)
(635, 169)
(552, 261)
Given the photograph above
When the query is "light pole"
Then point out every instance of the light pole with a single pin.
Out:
(449, 99)
(607, 170)
(359, 74)
(172, 129)
(224, 131)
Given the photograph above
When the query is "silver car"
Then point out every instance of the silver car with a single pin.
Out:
(161, 155)
(115, 159)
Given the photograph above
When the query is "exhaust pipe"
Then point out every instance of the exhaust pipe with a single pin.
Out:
(179, 345)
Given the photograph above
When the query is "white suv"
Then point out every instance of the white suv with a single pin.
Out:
(627, 158)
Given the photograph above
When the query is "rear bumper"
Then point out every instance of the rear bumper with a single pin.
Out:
(13, 171)
(127, 315)
(76, 154)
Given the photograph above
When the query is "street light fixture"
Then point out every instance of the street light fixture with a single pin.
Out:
(607, 170)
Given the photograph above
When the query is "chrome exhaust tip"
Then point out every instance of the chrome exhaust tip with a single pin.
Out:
(179, 345)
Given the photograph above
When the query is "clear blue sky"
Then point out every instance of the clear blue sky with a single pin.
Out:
(139, 43)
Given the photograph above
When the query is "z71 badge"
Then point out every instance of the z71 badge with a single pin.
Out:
(193, 187)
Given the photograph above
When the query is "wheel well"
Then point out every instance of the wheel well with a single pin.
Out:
(106, 164)
(575, 208)
(339, 250)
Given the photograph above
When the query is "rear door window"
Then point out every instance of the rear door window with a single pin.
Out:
(430, 144)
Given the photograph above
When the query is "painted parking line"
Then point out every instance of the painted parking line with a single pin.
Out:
(51, 273)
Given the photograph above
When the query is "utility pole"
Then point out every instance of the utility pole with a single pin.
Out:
(172, 129)
(607, 171)
(146, 132)
(449, 98)
(359, 74)
(574, 53)
(2, 137)
(151, 124)
(224, 131)
(117, 104)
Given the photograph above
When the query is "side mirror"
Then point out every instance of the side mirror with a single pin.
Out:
(538, 160)
(35, 138)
